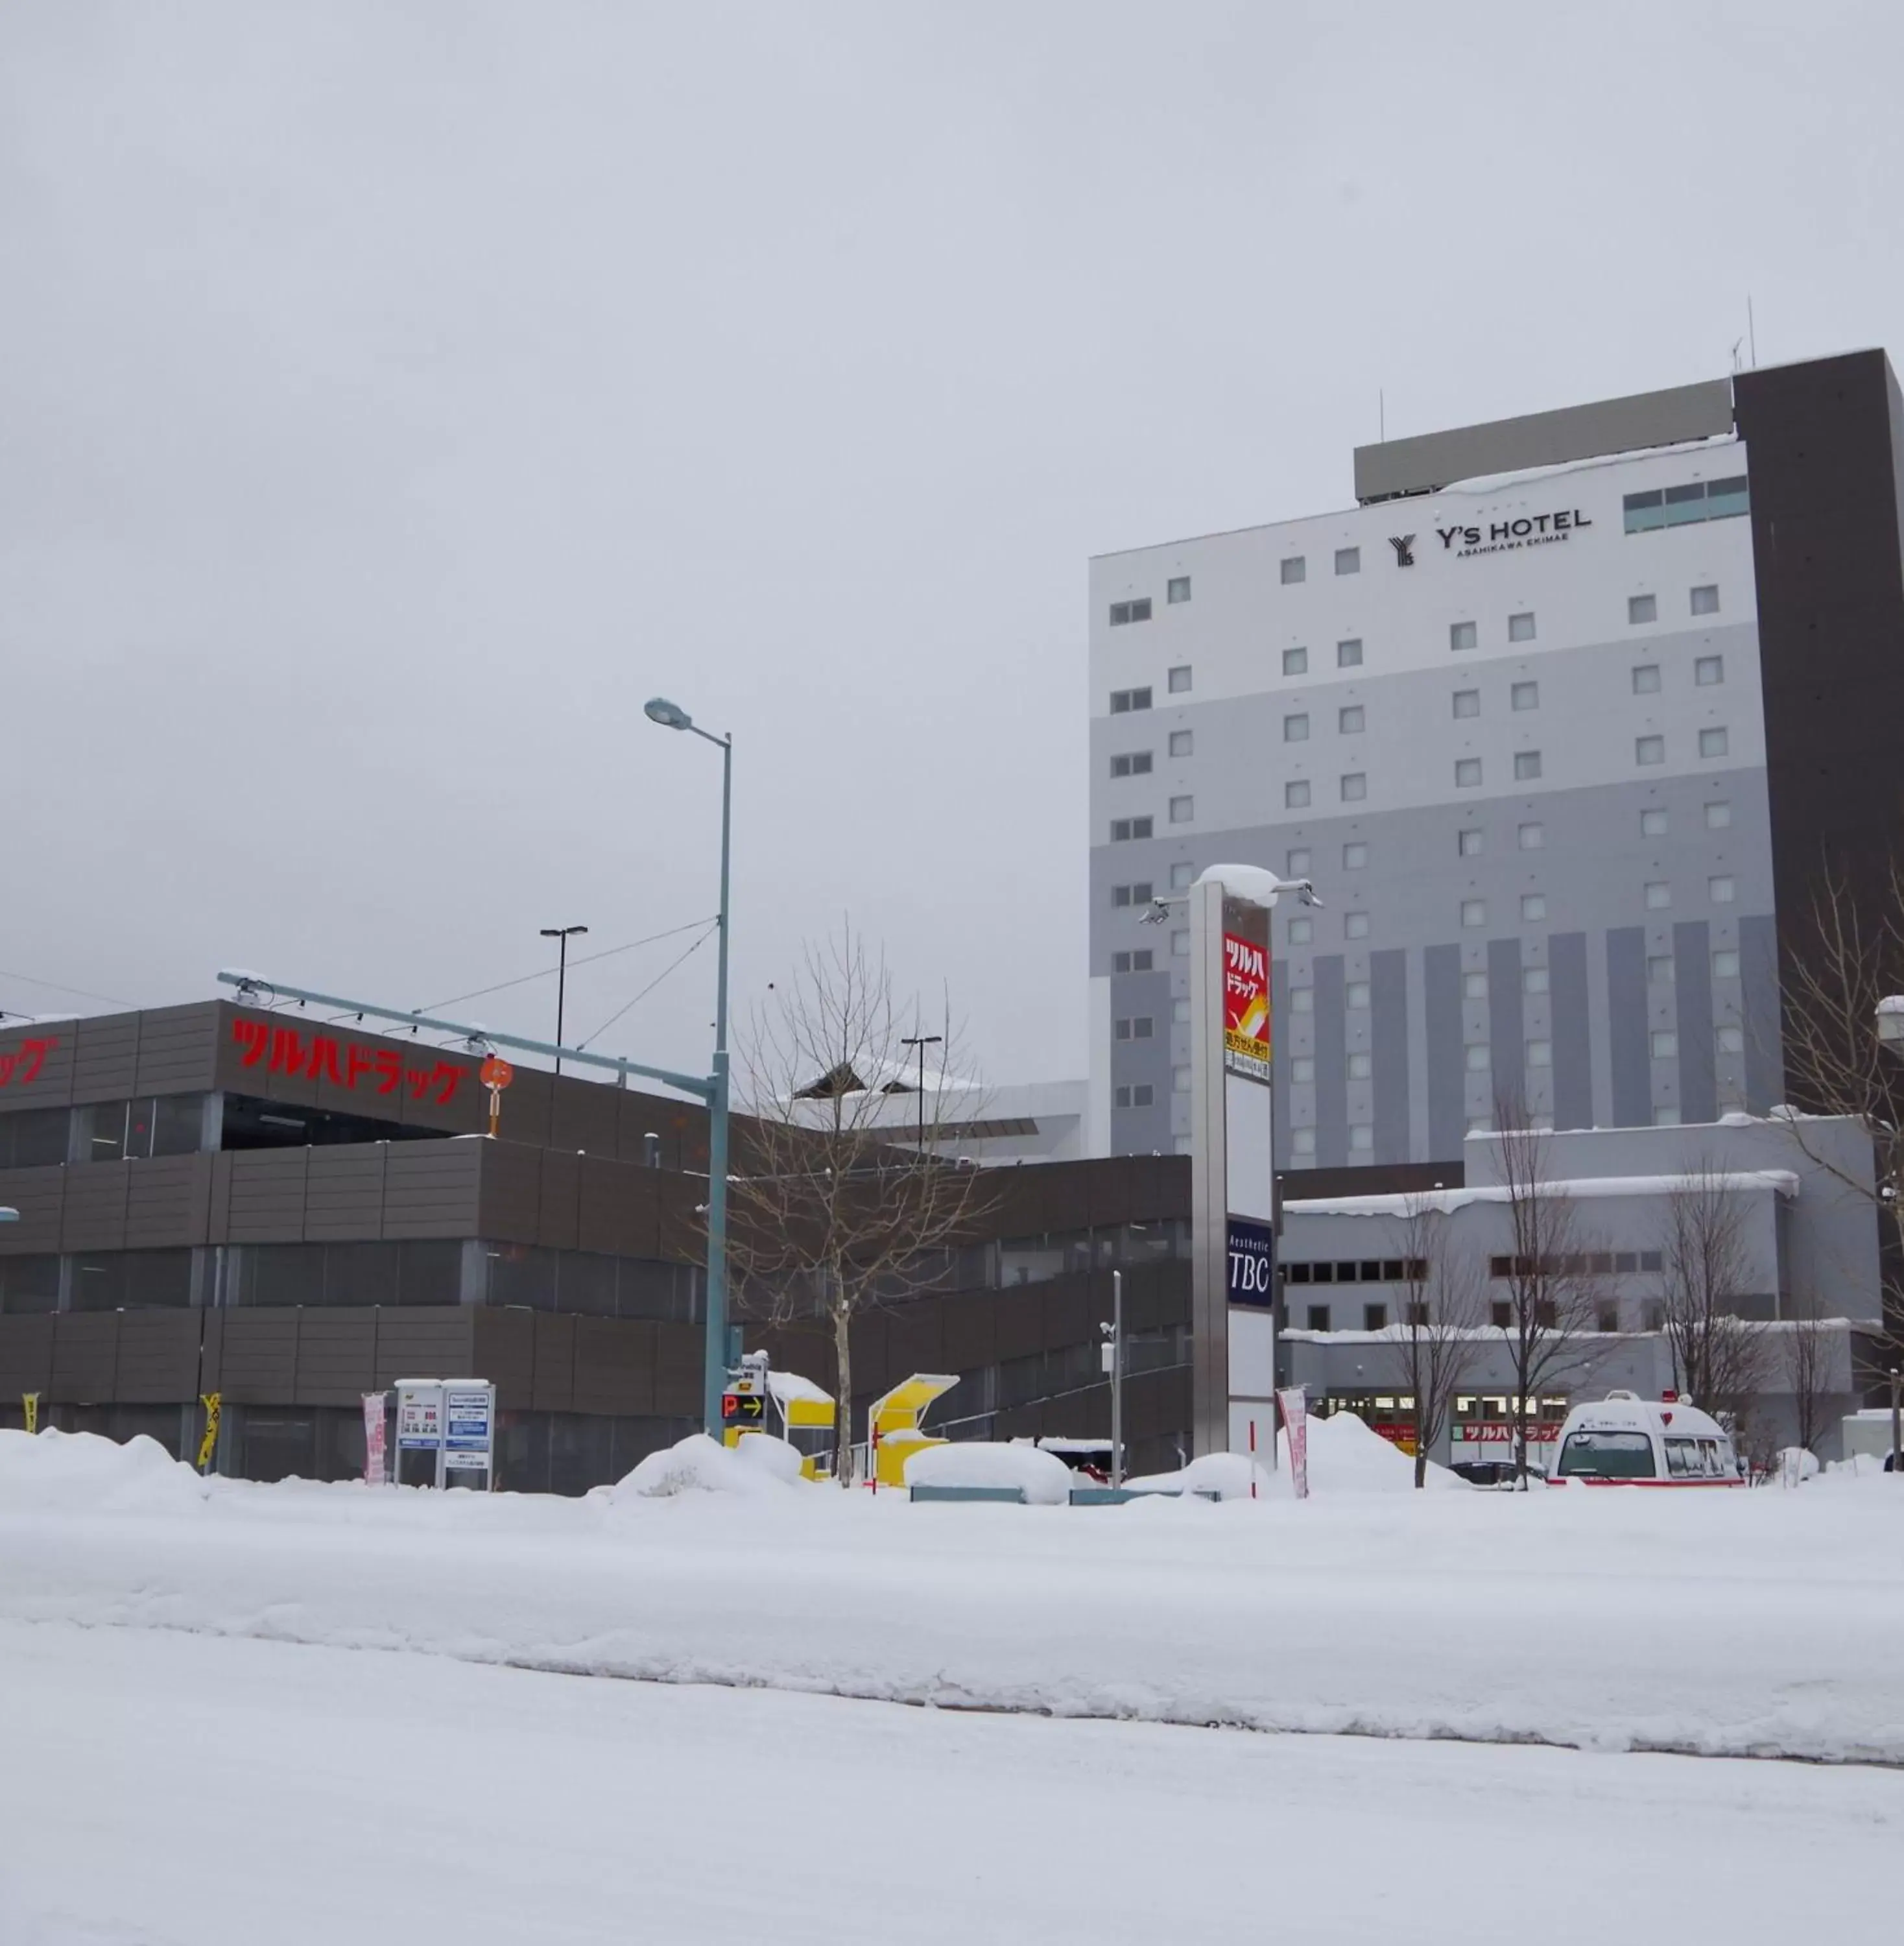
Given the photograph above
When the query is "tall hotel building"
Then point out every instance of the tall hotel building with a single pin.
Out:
(1564, 718)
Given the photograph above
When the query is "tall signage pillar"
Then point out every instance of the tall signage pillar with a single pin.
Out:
(1233, 1234)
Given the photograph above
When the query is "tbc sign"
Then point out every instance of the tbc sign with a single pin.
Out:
(1252, 1262)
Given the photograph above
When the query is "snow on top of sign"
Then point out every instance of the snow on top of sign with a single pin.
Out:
(1247, 881)
(1445, 1202)
(1044, 1479)
(788, 1387)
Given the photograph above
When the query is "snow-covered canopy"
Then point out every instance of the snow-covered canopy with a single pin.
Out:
(1780, 1182)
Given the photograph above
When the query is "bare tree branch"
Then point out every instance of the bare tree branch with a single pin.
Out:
(1444, 1307)
(1721, 1359)
(1807, 1367)
(830, 1217)
(1552, 1295)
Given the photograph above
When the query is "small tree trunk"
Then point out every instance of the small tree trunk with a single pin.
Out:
(843, 1364)
(1421, 1462)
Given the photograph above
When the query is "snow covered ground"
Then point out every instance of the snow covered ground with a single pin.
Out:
(1730, 1622)
(167, 1789)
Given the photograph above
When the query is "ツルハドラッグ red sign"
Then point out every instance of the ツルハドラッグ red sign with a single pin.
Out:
(1245, 1006)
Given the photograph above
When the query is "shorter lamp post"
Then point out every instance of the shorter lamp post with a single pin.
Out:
(922, 1042)
(562, 934)
(1114, 1357)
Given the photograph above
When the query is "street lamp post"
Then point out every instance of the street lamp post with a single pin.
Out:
(672, 716)
(922, 1042)
(562, 934)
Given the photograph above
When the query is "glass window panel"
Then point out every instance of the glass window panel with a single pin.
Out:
(430, 1272)
(1295, 661)
(28, 1285)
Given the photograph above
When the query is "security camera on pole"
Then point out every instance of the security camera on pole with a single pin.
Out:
(1233, 1209)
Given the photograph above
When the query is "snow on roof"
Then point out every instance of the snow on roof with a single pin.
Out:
(1445, 1202)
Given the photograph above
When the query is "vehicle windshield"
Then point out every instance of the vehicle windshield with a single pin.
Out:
(1609, 1456)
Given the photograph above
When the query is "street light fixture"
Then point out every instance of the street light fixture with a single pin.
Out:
(922, 1042)
(562, 934)
(672, 716)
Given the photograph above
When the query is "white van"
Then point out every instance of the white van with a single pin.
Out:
(1625, 1440)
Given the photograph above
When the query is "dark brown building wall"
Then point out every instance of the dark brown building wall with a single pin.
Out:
(1823, 457)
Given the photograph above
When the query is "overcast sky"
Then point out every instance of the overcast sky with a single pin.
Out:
(392, 397)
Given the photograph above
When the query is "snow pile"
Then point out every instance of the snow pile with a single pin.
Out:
(1227, 1474)
(699, 1465)
(1345, 1456)
(768, 1454)
(1796, 1462)
(1045, 1479)
(80, 1472)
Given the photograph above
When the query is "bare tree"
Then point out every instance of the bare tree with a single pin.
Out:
(1551, 1295)
(1719, 1359)
(1847, 957)
(836, 1207)
(1444, 1307)
(1807, 1367)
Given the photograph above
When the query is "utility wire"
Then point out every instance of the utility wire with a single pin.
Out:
(581, 959)
(714, 926)
(55, 986)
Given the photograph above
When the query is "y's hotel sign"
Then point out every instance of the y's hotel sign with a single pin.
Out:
(1497, 536)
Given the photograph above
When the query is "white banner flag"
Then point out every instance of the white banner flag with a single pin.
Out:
(1295, 1419)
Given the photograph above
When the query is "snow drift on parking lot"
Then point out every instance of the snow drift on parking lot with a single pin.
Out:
(1044, 1479)
(1757, 1623)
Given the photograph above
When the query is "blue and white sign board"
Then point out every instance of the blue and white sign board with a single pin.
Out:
(453, 1421)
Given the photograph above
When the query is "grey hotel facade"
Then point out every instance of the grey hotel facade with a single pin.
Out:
(1563, 719)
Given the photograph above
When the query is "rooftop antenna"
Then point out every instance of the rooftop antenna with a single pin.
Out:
(1381, 413)
(1735, 344)
(1752, 332)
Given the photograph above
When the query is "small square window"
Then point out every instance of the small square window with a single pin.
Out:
(1301, 931)
(1302, 999)
(1474, 986)
(1520, 627)
(1461, 635)
(1177, 589)
(1532, 837)
(1468, 702)
(1179, 1080)
(1348, 561)
(1653, 822)
(1731, 1040)
(1179, 945)
(1356, 993)
(1142, 1094)
(1533, 908)
(1533, 979)
(1295, 794)
(1642, 608)
(1717, 817)
(1295, 729)
(1361, 1067)
(1525, 696)
(1294, 569)
(1474, 912)
(1646, 679)
(1355, 786)
(1120, 895)
(1705, 601)
(1709, 671)
(1527, 765)
(1298, 864)
(1348, 655)
(1468, 772)
(1302, 1069)
(1659, 969)
(1477, 1057)
(1182, 743)
(1722, 890)
(1666, 1044)
(1180, 1013)
(1303, 1142)
(1182, 874)
(1355, 926)
(1362, 1141)
(1355, 855)
(1649, 749)
(1295, 661)
(1725, 963)
(1712, 742)
(1469, 845)
(1540, 1054)
(1180, 679)
(1659, 896)
(1350, 720)
(1182, 810)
